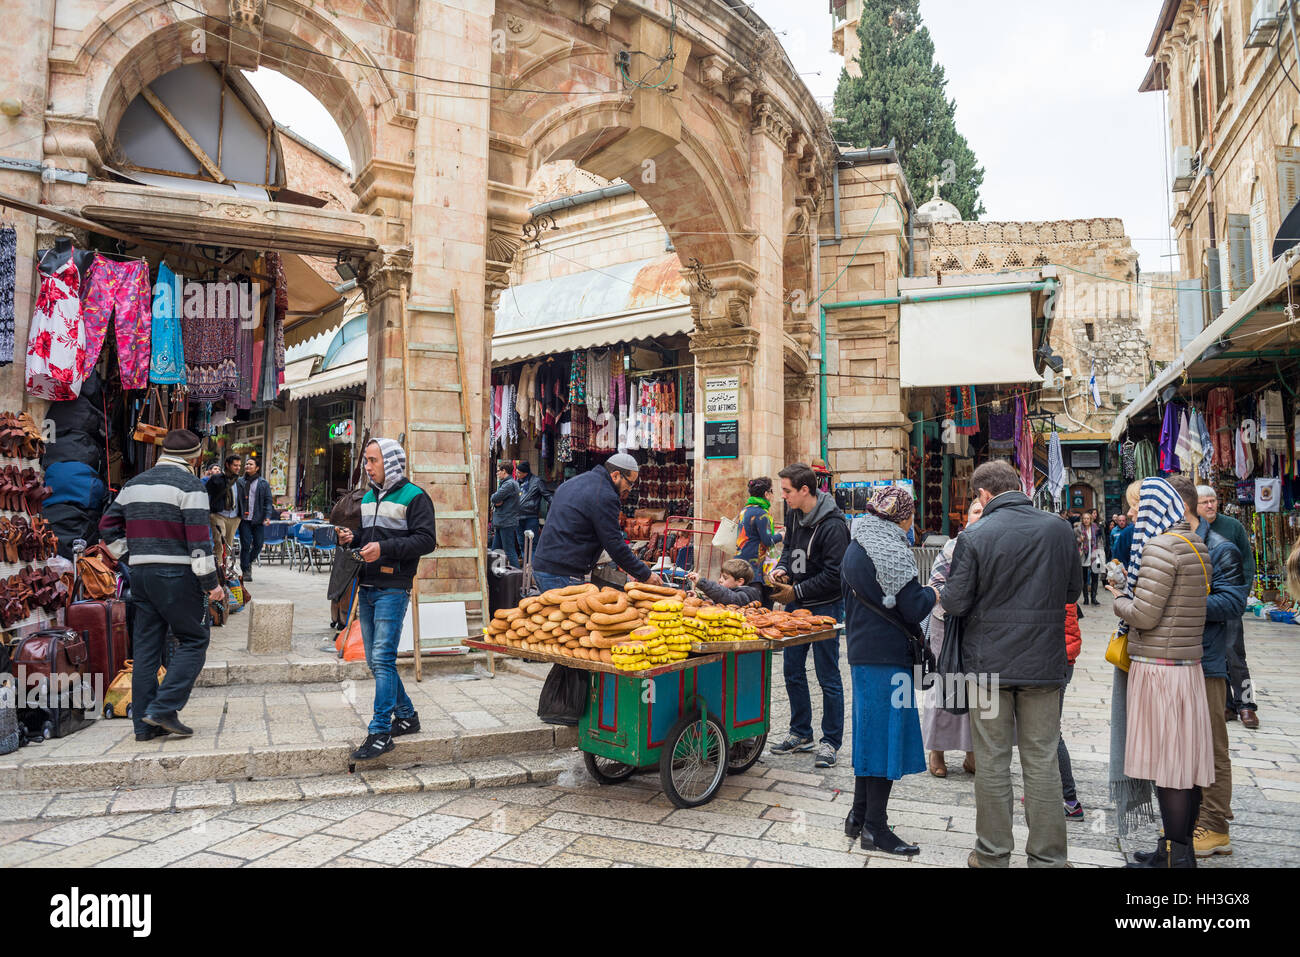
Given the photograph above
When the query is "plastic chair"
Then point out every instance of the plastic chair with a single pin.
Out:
(304, 539)
(323, 545)
(275, 538)
(291, 543)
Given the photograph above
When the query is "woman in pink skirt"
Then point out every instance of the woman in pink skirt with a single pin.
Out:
(1167, 739)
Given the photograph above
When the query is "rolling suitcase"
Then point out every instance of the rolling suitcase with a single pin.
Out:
(505, 584)
(53, 667)
(108, 640)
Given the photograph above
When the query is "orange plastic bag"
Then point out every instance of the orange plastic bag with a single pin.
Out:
(350, 644)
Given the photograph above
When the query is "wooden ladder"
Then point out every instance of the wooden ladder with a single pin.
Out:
(473, 515)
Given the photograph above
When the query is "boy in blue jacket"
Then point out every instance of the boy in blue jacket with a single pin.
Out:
(735, 586)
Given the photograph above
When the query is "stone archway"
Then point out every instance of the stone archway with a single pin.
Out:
(720, 161)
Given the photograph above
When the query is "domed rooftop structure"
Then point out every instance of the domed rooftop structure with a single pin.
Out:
(938, 209)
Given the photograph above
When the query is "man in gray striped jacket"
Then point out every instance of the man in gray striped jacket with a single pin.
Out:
(161, 519)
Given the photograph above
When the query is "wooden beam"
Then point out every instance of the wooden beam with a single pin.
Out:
(183, 134)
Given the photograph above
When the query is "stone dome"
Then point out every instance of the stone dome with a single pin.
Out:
(937, 209)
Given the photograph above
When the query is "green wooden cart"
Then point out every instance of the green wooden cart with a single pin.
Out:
(697, 720)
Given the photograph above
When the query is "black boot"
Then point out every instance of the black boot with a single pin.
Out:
(1167, 854)
(858, 814)
(884, 839)
(1147, 858)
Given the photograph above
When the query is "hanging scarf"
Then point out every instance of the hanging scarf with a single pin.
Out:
(886, 545)
(1055, 469)
(758, 500)
(1169, 438)
(1160, 507)
(1024, 446)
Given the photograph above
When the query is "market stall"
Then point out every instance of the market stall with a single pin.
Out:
(674, 681)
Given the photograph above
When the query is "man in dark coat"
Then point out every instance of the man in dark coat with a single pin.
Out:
(255, 510)
(1241, 691)
(808, 576)
(583, 522)
(505, 514)
(1013, 573)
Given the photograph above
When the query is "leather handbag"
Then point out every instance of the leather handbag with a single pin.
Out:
(180, 409)
(97, 573)
(1117, 651)
(150, 429)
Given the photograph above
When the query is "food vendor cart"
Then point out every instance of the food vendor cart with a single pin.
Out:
(698, 719)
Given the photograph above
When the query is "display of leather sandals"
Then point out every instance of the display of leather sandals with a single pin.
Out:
(22, 594)
(22, 490)
(23, 541)
(20, 438)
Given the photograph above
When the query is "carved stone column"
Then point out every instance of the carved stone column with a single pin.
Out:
(802, 409)
(381, 279)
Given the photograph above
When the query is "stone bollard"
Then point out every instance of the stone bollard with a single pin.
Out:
(270, 629)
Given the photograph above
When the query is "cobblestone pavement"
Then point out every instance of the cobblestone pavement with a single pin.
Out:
(780, 813)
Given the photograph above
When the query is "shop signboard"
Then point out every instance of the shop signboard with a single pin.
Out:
(722, 396)
(341, 431)
(722, 439)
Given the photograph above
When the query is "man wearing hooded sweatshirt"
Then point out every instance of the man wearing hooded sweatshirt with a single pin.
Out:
(397, 528)
(808, 576)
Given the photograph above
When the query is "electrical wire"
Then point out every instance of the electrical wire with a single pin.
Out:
(381, 69)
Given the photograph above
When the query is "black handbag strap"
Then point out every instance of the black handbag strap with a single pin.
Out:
(882, 612)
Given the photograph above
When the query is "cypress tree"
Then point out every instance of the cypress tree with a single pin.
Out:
(900, 96)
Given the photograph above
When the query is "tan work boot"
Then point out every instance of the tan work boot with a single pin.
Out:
(1207, 843)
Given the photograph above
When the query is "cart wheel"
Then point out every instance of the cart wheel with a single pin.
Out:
(694, 761)
(108, 711)
(606, 770)
(745, 754)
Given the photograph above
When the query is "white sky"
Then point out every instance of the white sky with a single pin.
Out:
(1049, 105)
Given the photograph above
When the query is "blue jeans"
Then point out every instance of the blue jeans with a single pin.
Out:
(546, 582)
(503, 539)
(826, 662)
(527, 525)
(381, 611)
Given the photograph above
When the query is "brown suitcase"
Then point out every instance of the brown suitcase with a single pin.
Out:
(55, 652)
(108, 642)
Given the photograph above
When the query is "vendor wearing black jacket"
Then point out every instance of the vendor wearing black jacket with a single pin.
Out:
(583, 522)
(808, 576)
(397, 529)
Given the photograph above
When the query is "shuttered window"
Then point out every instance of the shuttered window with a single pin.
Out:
(1288, 179)
(1241, 272)
(1259, 244)
(1191, 311)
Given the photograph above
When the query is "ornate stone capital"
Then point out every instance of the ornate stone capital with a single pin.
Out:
(800, 388)
(384, 272)
(772, 121)
(730, 348)
(720, 295)
(597, 13)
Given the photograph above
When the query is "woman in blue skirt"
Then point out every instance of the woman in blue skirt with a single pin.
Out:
(884, 605)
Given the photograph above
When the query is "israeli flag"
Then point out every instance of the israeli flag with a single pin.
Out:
(1096, 392)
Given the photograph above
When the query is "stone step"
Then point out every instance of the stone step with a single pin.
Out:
(26, 771)
(541, 768)
(251, 671)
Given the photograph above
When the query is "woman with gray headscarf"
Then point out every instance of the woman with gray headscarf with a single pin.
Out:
(884, 605)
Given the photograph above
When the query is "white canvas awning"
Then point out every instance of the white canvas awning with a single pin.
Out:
(987, 340)
(344, 377)
(1270, 282)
